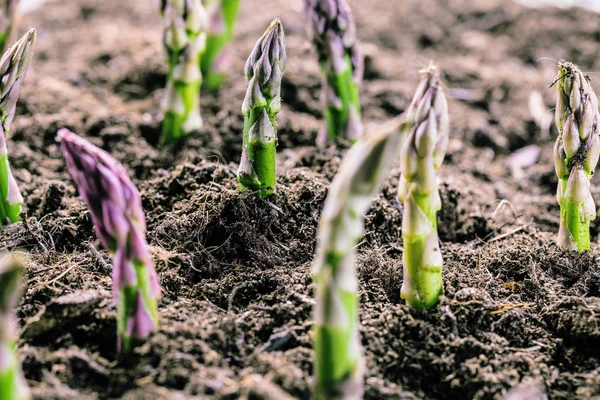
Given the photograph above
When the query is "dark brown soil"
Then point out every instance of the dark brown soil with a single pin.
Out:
(236, 313)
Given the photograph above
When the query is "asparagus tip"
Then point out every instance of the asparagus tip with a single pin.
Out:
(431, 69)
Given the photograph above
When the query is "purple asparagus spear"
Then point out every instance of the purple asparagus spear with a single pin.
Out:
(116, 208)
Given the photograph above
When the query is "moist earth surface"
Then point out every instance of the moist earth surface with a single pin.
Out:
(235, 269)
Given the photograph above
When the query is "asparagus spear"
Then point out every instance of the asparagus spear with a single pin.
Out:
(8, 11)
(576, 155)
(116, 209)
(12, 382)
(264, 70)
(13, 66)
(332, 31)
(216, 59)
(338, 355)
(185, 41)
(421, 155)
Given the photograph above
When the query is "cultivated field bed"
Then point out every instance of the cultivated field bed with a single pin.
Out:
(235, 269)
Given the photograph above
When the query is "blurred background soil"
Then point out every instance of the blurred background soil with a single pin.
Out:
(236, 312)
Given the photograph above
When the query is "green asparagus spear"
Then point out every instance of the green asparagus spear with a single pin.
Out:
(338, 355)
(184, 41)
(13, 66)
(8, 11)
(576, 155)
(264, 70)
(421, 155)
(332, 30)
(12, 383)
(216, 59)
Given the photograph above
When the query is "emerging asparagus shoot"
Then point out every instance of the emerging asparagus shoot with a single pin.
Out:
(12, 382)
(576, 155)
(264, 70)
(8, 11)
(421, 155)
(338, 355)
(332, 30)
(216, 59)
(116, 209)
(185, 41)
(13, 66)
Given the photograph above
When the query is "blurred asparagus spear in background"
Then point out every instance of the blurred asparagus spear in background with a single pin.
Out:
(185, 42)
(13, 67)
(576, 154)
(8, 12)
(333, 32)
(264, 70)
(12, 383)
(222, 15)
(338, 355)
(116, 209)
(421, 155)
